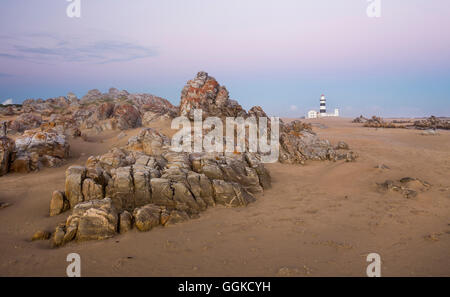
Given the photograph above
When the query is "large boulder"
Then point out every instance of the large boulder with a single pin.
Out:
(93, 220)
(204, 92)
(75, 176)
(38, 148)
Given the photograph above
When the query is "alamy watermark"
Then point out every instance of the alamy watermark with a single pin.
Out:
(374, 268)
(74, 268)
(241, 135)
(74, 9)
(374, 9)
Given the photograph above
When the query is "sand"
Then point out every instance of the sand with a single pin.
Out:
(321, 219)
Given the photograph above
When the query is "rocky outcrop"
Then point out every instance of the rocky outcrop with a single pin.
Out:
(360, 119)
(157, 186)
(25, 121)
(205, 93)
(377, 122)
(36, 149)
(432, 123)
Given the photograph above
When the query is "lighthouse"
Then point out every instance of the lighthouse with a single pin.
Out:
(323, 107)
(313, 114)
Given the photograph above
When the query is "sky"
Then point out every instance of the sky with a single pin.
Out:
(281, 55)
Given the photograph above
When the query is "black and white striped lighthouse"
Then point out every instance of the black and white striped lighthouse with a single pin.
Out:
(323, 105)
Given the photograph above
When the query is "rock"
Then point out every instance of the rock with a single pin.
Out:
(41, 235)
(91, 190)
(175, 217)
(75, 176)
(342, 146)
(432, 123)
(147, 217)
(4, 204)
(205, 93)
(360, 119)
(230, 194)
(36, 149)
(407, 186)
(128, 116)
(377, 122)
(105, 110)
(162, 193)
(185, 200)
(94, 220)
(58, 236)
(121, 189)
(58, 203)
(25, 121)
(125, 222)
(150, 142)
(7, 148)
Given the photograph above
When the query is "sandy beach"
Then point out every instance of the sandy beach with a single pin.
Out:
(318, 219)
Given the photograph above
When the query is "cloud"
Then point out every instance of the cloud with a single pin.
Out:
(8, 101)
(293, 107)
(47, 48)
(2, 74)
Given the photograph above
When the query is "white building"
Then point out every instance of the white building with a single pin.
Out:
(313, 114)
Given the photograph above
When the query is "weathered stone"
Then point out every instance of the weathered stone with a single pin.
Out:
(125, 222)
(91, 190)
(176, 216)
(147, 217)
(41, 235)
(58, 236)
(121, 189)
(75, 176)
(96, 220)
(142, 187)
(6, 150)
(58, 203)
(162, 192)
(230, 194)
(185, 201)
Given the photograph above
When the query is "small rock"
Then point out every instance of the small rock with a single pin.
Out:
(125, 222)
(41, 235)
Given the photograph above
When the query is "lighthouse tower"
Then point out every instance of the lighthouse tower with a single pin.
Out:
(323, 107)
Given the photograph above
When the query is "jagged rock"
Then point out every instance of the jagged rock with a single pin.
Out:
(41, 235)
(105, 111)
(121, 189)
(162, 192)
(125, 222)
(147, 217)
(75, 176)
(25, 121)
(432, 123)
(230, 194)
(58, 235)
(360, 119)
(128, 116)
(36, 149)
(205, 93)
(93, 220)
(7, 148)
(58, 203)
(91, 190)
(377, 122)
(150, 142)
